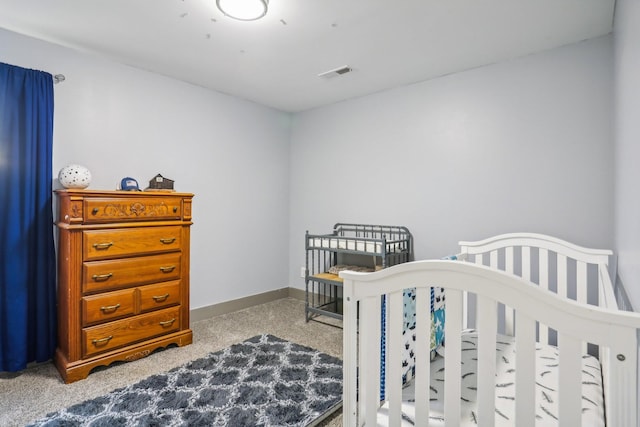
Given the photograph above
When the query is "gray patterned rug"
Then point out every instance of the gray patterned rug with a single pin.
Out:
(264, 381)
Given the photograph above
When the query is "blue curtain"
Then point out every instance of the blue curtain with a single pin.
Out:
(27, 255)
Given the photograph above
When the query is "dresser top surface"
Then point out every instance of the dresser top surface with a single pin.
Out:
(118, 193)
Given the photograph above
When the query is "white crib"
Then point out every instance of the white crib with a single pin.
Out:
(564, 295)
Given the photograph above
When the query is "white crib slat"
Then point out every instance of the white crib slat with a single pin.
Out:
(487, 330)
(394, 361)
(581, 282)
(562, 275)
(582, 290)
(526, 263)
(508, 259)
(422, 352)
(508, 320)
(508, 316)
(569, 380)
(479, 260)
(543, 268)
(452, 349)
(465, 310)
(369, 376)
(543, 278)
(525, 370)
(493, 259)
(525, 257)
(493, 263)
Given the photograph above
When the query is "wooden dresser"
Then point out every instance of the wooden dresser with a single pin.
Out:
(123, 276)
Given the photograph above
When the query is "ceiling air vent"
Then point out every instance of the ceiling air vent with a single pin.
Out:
(336, 72)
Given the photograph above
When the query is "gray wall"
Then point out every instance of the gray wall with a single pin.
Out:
(523, 145)
(627, 131)
(121, 121)
(520, 145)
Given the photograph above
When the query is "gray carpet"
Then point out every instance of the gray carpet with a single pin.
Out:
(263, 381)
(38, 390)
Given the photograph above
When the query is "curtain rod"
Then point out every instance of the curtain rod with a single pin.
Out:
(58, 78)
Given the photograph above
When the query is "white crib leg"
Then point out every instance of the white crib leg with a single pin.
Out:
(350, 351)
(620, 365)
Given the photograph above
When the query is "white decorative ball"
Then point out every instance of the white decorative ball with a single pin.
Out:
(74, 176)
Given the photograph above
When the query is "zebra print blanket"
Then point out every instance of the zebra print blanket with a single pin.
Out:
(546, 387)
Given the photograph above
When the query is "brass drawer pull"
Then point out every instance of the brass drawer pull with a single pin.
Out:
(160, 298)
(175, 209)
(168, 241)
(109, 308)
(102, 340)
(101, 277)
(168, 322)
(168, 269)
(95, 211)
(102, 246)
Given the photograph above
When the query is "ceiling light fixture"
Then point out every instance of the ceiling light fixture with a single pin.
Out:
(243, 10)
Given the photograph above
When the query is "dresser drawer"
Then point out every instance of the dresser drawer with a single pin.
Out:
(159, 295)
(119, 333)
(127, 209)
(108, 306)
(103, 244)
(114, 274)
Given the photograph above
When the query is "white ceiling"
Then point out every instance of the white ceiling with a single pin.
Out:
(276, 61)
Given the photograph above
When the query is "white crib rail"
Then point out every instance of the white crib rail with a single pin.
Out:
(588, 255)
(614, 331)
(547, 248)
